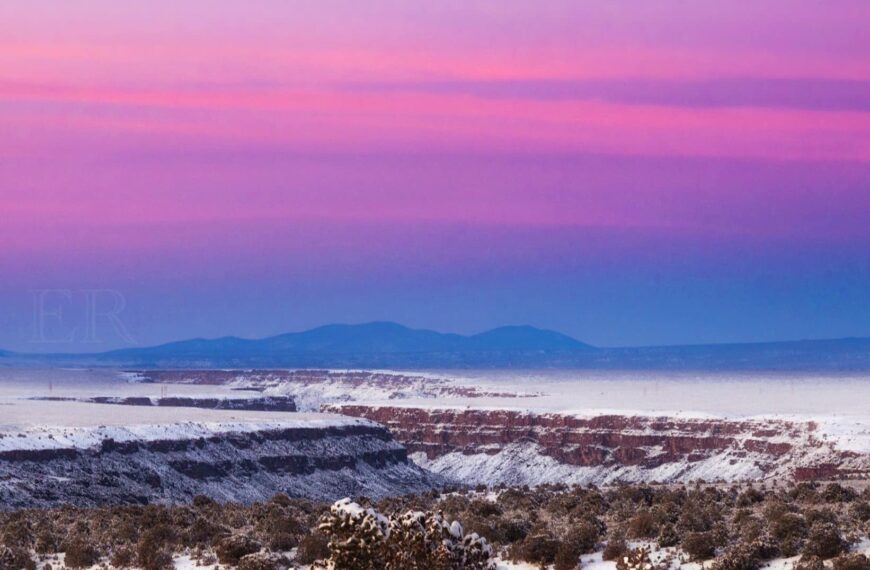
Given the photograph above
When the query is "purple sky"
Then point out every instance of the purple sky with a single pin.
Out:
(628, 173)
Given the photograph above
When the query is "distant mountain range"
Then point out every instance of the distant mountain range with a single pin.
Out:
(389, 345)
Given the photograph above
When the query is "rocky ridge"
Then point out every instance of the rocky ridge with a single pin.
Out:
(518, 447)
(244, 462)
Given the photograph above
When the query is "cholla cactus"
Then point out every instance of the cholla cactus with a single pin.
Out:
(454, 550)
(410, 544)
(637, 559)
(362, 539)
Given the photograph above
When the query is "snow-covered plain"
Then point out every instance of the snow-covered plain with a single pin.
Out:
(835, 405)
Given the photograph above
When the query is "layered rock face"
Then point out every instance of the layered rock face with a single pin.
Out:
(228, 463)
(258, 404)
(309, 389)
(514, 447)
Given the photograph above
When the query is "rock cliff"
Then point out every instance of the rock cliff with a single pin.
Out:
(515, 447)
(244, 462)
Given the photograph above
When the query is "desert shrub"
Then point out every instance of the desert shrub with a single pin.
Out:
(668, 536)
(721, 534)
(776, 509)
(363, 539)
(45, 541)
(643, 525)
(699, 545)
(17, 533)
(824, 541)
(695, 517)
(748, 528)
(201, 532)
(201, 501)
(232, 548)
(836, 493)
(312, 547)
(806, 492)
(820, 516)
(743, 556)
(789, 531)
(593, 502)
(281, 499)
(566, 558)
(635, 494)
(153, 549)
(485, 508)
(518, 499)
(151, 555)
(508, 530)
(749, 497)
(122, 557)
(851, 562)
(810, 563)
(12, 558)
(583, 536)
(282, 541)
(861, 511)
(259, 561)
(579, 539)
(80, 553)
(538, 547)
(615, 548)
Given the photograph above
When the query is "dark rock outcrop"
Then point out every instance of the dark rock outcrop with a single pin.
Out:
(324, 463)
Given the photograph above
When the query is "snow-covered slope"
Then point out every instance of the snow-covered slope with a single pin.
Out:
(578, 426)
(55, 453)
(526, 448)
(559, 426)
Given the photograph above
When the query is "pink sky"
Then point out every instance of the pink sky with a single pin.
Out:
(150, 128)
(96, 82)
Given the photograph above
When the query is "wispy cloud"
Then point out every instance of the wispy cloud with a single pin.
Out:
(811, 94)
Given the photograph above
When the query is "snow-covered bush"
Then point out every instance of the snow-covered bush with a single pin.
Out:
(357, 536)
(363, 539)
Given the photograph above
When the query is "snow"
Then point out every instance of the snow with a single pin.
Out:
(829, 409)
(595, 560)
(527, 464)
(32, 425)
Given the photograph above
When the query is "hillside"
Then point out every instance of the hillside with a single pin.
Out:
(390, 345)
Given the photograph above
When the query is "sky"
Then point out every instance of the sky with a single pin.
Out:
(629, 173)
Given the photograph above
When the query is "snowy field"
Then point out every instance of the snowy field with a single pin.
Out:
(838, 403)
(556, 391)
(835, 405)
(45, 424)
(717, 393)
(587, 561)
